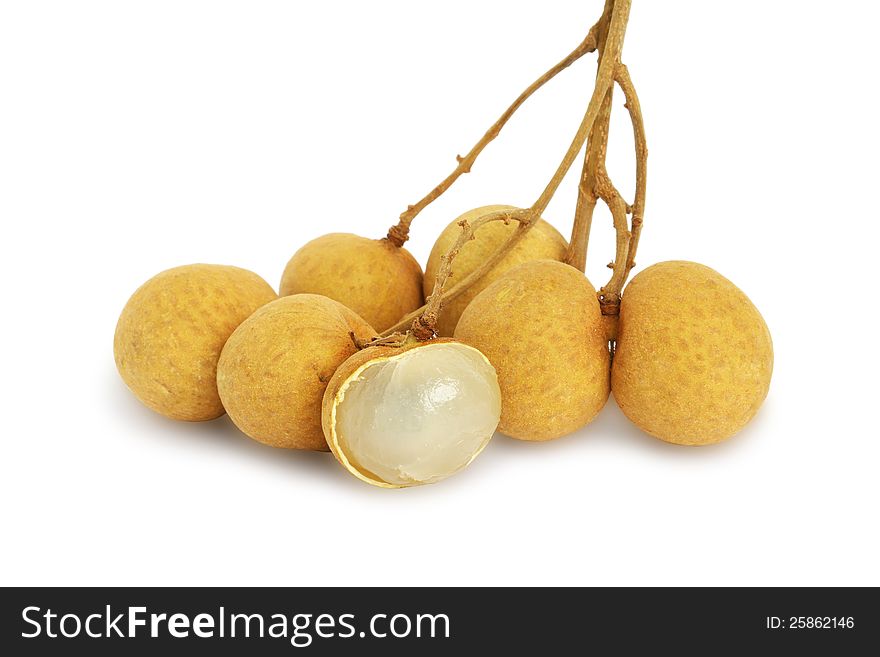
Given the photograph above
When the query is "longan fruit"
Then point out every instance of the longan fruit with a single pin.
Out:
(172, 330)
(694, 357)
(275, 367)
(379, 281)
(541, 327)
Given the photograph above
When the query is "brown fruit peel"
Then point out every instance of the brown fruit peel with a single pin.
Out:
(275, 368)
(375, 279)
(566, 341)
(172, 330)
(690, 371)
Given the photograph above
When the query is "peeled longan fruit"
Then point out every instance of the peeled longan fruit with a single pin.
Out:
(379, 281)
(275, 367)
(541, 327)
(411, 415)
(170, 334)
(542, 242)
(694, 356)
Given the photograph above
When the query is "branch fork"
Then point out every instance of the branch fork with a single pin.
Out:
(607, 37)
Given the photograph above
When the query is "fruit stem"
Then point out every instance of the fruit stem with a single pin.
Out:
(635, 112)
(627, 234)
(579, 242)
(424, 327)
(399, 233)
(605, 79)
(596, 184)
(597, 146)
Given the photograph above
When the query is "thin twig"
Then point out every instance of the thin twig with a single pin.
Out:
(626, 85)
(399, 233)
(597, 145)
(468, 281)
(627, 237)
(609, 295)
(605, 78)
(424, 327)
(579, 242)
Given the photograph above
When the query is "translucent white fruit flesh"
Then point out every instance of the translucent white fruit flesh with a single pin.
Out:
(419, 416)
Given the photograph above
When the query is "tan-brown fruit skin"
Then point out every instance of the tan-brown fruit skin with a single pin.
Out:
(694, 358)
(374, 278)
(541, 327)
(172, 330)
(275, 367)
(542, 242)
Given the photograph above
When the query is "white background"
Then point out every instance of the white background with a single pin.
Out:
(136, 136)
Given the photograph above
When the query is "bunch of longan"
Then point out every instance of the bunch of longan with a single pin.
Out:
(505, 332)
